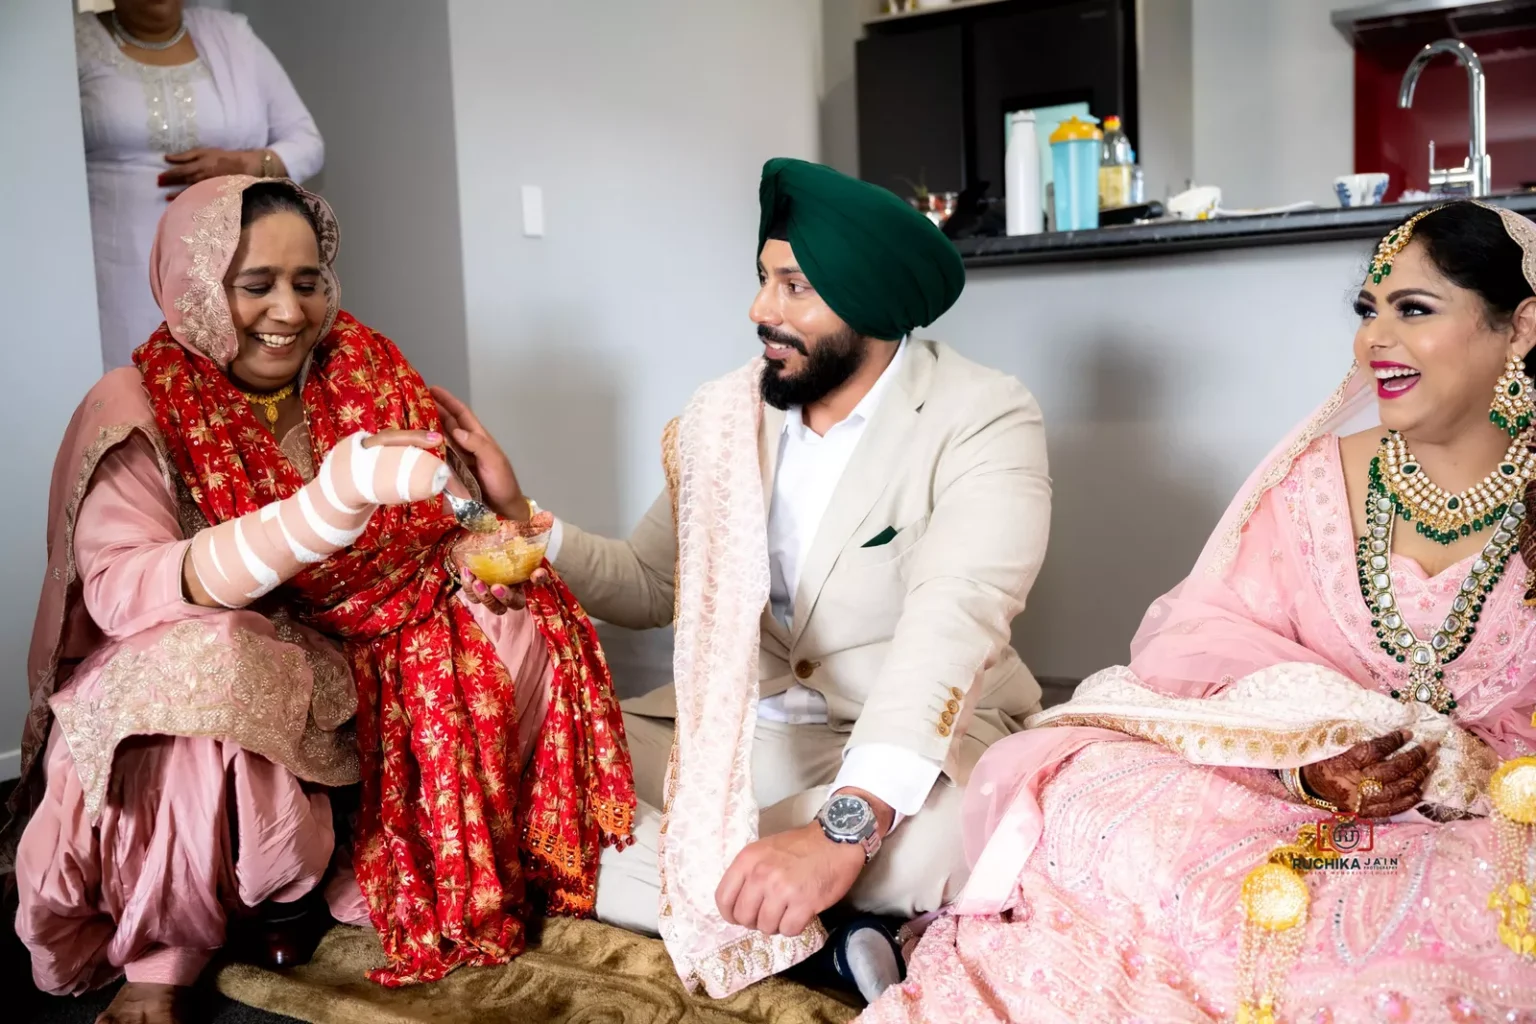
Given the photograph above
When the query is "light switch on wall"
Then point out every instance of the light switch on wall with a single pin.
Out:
(533, 211)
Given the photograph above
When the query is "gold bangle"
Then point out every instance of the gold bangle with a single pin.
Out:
(1298, 788)
(267, 164)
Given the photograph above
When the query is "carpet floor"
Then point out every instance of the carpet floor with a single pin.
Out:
(576, 971)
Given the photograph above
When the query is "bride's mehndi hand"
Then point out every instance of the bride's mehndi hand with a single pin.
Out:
(1375, 779)
(492, 468)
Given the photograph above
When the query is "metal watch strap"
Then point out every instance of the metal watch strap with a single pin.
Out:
(871, 843)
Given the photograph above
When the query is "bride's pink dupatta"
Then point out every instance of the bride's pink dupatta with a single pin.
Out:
(1235, 621)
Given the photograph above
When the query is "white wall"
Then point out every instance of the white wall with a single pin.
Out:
(1163, 383)
(376, 76)
(842, 25)
(1273, 100)
(1166, 135)
(646, 125)
(48, 290)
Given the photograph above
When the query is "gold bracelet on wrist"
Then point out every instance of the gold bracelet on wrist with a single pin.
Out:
(1297, 787)
(268, 164)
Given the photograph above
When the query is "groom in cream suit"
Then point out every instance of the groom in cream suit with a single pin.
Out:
(907, 510)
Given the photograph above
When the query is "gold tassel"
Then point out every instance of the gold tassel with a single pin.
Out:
(1275, 901)
(1512, 790)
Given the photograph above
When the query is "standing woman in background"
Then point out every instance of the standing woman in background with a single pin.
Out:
(168, 98)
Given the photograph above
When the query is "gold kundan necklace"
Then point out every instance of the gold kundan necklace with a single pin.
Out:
(1436, 513)
(269, 401)
(1400, 490)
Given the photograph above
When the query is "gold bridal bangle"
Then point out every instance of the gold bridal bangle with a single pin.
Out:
(1297, 788)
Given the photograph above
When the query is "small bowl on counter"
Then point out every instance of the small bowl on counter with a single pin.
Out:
(936, 206)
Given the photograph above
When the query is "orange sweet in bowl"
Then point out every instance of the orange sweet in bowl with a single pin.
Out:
(508, 556)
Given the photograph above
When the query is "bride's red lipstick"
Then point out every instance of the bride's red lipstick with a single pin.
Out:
(1394, 386)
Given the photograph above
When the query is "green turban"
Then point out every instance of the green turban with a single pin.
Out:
(882, 266)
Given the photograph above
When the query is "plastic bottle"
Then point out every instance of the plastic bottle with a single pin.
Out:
(1138, 182)
(1022, 175)
(1075, 148)
(1115, 166)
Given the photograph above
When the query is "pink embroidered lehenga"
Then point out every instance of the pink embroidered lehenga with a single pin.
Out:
(1110, 840)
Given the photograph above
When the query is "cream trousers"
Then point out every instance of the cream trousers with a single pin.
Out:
(919, 867)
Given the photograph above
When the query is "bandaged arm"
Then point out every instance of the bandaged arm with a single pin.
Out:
(236, 562)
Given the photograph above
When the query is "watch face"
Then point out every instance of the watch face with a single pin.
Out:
(847, 815)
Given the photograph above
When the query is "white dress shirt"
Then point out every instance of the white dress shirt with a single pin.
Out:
(809, 468)
(808, 472)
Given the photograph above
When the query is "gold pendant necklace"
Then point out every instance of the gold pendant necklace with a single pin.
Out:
(269, 402)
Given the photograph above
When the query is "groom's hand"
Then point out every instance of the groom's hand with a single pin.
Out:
(492, 468)
(777, 884)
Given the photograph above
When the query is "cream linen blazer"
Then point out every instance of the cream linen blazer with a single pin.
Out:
(909, 639)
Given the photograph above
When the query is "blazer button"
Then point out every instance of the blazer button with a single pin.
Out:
(948, 718)
(952, 705)
(956, 692)
(943, 730)
(805, 669)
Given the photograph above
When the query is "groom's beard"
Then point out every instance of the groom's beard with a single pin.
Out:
(828, 366)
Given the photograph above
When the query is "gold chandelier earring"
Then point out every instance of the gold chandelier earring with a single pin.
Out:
(1513, 406)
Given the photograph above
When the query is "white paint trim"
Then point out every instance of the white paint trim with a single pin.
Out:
(10, 763)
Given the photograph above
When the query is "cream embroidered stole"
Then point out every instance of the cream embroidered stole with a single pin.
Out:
(716, 485)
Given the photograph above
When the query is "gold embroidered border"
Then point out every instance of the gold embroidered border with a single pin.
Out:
(39, 714)
(206, 324)
(191, 683)
(1268, 748)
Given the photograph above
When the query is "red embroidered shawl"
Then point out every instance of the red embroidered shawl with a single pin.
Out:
(449, 840)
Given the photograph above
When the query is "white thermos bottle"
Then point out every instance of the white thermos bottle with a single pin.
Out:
(1021, 168)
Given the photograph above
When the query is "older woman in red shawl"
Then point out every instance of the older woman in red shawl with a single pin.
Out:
(237, 617)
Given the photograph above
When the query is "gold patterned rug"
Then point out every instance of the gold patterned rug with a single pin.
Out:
(576, 971)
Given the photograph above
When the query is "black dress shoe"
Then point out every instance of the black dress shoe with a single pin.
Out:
(281, 934)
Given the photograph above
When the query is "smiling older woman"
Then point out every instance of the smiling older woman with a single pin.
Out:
(247, 547)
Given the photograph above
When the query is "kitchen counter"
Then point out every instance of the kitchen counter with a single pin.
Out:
(1163, 237)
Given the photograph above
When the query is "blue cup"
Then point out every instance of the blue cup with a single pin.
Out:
(1075, 146)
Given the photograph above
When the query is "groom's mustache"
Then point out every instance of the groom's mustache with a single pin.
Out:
(780, 338)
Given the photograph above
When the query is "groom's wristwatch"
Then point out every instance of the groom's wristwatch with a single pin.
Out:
(846, 818)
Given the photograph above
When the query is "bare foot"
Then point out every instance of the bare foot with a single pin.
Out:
(139, 1003)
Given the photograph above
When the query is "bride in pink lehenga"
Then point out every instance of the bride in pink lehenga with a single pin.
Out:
(1161, 847)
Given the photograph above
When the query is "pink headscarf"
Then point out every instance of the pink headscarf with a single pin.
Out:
(196, 241)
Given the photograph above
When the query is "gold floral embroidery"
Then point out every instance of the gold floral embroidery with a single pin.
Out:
(205, 321)
(192, 683)
(1266, 748)
(65, 572)
(296, 445)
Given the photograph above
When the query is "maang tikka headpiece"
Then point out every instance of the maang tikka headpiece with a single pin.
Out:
(1394, 243)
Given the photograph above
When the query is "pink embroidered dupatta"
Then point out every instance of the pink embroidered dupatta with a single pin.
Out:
(1250, 663)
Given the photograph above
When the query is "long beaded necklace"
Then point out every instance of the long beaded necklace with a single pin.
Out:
(1426, 658)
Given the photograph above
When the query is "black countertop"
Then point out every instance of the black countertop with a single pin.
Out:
(1163, 237)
